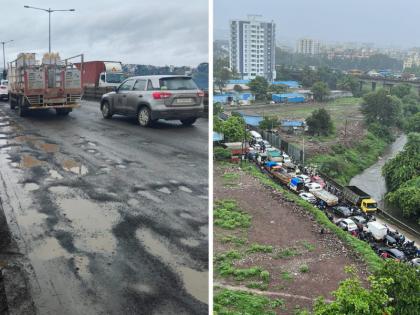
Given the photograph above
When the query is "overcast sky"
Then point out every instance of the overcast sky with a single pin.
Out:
(383, 22)
(158, 32)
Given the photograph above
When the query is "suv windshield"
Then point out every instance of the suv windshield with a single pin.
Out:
(114, 77)
(177, 83)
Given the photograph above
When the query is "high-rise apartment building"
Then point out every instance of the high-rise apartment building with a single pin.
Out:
(308, 46)
(252, 48)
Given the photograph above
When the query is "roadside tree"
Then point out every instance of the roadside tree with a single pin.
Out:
(353, 298)
(381, 107)
(320, 90)
(401, 90)
(404, 289)
(269, 122)
(320, 123)
(259, 86)
(234, 129)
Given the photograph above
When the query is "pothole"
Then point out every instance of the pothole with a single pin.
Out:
(190, 242)
(75, 167)
(59, 189)
(185, 189)
(150, 196)
(30, 186)
(29, 161)
(164, 190)
(49, 147)
(54, 174)
(195, 282)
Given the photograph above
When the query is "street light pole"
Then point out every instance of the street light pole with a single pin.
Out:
(4, 56)
(49, 11)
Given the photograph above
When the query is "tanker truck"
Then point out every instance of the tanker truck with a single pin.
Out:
(101, 73)
(44, 84)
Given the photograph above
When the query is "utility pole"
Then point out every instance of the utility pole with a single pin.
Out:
(4, 57)
(49, 11)
(303, 150)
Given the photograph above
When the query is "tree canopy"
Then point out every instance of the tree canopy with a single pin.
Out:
(320, 90)
(381, 107)
(259, 86)
(320, 123)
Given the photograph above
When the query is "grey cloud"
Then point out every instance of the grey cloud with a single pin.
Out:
(151, 32)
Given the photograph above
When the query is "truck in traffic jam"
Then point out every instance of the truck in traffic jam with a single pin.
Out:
(359, 198)
(43, 84)
(101, 73)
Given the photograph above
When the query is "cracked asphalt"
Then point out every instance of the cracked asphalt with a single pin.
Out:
(111, 218)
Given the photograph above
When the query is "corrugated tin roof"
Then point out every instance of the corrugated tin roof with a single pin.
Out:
(218, 136)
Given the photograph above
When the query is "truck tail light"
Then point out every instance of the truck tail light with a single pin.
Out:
(161, 95)
(200, 93)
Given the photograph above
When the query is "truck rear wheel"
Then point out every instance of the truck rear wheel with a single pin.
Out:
(62, 111)
(22, 111)
(12, 101)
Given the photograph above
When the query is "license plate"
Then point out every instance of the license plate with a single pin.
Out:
(183, 101)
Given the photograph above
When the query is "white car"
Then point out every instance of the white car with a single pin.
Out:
(286, 158)
(256, 146)
(305, 178)
(267, 144)
(347, 225)
(4, 91)
(313, 186)
(308, 197)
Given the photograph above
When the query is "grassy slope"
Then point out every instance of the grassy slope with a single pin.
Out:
(363, 249)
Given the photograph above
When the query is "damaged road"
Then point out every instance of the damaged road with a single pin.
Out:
(107, 217)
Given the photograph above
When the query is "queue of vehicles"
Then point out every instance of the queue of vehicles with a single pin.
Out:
(351, 209)
(55, 83)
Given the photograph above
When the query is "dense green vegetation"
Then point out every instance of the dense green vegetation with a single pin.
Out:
(229, 302)
(259, 87)
(344, 163)
(228, 215)
(320, 90)
(353, 298)
(233, 128)
(402, 176)
(320, 123)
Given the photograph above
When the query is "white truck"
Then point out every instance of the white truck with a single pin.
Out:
(327, 197)
(378, 230)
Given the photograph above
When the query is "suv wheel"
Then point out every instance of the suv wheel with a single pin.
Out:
(188, 121)
(144, 117)
(106, 110)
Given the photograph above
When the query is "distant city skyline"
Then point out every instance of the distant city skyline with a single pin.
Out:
(328, 21)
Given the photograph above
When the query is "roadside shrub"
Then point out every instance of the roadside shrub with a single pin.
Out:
(257, 248)
(304, 268)
(265, 276)
(221, 154)
(227, 215)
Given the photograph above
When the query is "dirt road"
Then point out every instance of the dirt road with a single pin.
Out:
(110, 218)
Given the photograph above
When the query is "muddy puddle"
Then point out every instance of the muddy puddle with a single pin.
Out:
(75, 167)
(49, 249)
(31, 186)
(195, 282)
(54, 175)
(148, 195)
(48, 147)
(29, 161)
(92, 224)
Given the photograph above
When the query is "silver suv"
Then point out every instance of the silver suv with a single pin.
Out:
(149, 98)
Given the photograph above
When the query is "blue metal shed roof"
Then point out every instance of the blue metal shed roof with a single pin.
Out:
(251, 120)
(217, 136)
(292, 123)
(291, 84)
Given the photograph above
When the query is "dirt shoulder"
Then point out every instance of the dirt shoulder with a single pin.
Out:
(303, 265)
